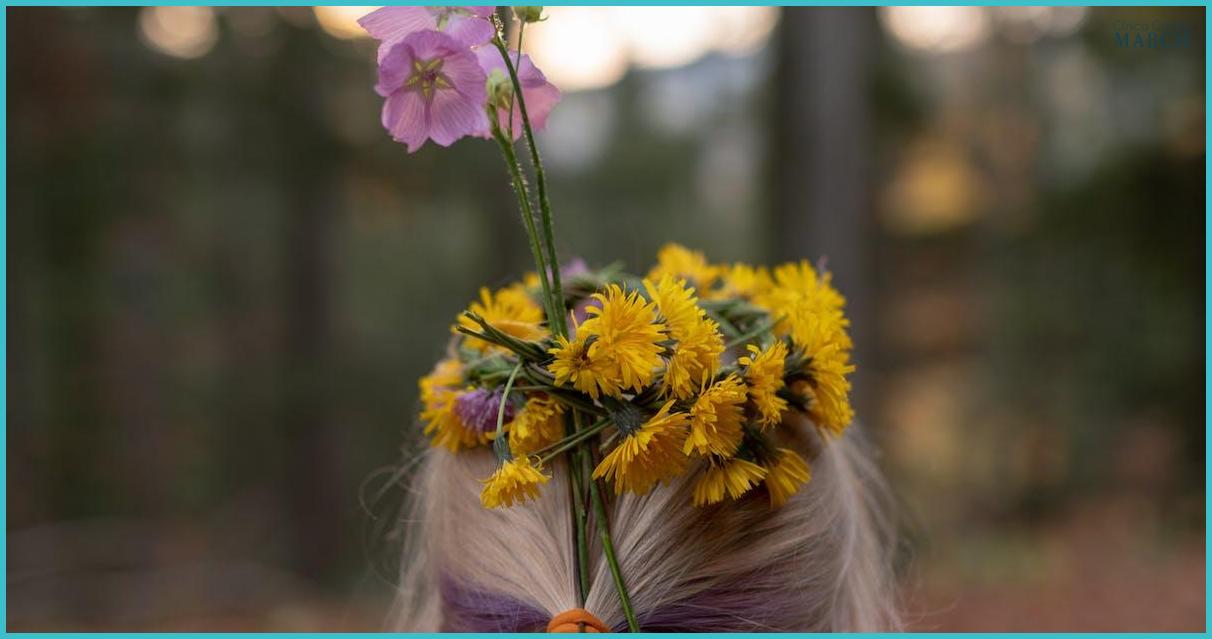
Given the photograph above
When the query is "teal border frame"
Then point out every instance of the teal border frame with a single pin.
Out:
(866, 3)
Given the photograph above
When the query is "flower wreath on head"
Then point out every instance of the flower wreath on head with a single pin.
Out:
(690, 369)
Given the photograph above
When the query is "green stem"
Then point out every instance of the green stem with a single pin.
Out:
(519, 187)
(599, 509)
(505, 398)
(512, 100)
(541, 179)
(522, 349)
(546, 454)
(576, 474)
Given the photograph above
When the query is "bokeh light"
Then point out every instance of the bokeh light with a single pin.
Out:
(606, 40)
(181, 32)
(937, 29)
(664, 36)
(592, 47)
(576, 48)
(342, 21)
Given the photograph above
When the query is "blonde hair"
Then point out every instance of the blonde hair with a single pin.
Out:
(820, 563)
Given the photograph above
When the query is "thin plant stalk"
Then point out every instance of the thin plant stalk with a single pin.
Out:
(574, 440)
(599, 510)
(517, 62)
(540, 179)
(505, 398)
(577, 493)
(555, 318)
(560, 328)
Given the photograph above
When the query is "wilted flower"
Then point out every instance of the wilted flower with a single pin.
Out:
(540, 95)
(434, 89)
(467, 25)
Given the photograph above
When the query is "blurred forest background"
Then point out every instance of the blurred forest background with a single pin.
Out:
(224, 280)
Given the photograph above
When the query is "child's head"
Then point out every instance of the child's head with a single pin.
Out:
(819, 563)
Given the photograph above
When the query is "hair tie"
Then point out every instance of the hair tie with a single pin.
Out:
(571, 620)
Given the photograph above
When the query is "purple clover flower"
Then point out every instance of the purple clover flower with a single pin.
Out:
(435, 90)
(575, 266)
(541, 96)
(478, 409)
(467, 25)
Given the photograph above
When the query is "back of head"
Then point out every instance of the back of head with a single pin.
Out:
(819, 563)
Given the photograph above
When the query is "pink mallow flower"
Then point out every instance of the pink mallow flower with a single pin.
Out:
(468, 25)
(435, 90)
(540, 95)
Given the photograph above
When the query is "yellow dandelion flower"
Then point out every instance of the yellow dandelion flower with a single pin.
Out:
(799, 294)
(715, 419)
(510, 310)
(784, 476)
(678, 261)
(764, 376)
(676, 302)
(733, 477)
(648, 455)
(827, 356)
(538, 424)
(440, 391)
(447, 373)
(514, 482)
(628, 333)
(796, 281)
(828, 389)
(743, 281)
(618, 348)
(696, 354)
(811, 330)
(587, 369)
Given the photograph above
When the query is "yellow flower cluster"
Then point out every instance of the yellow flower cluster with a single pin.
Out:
(616, 350)
(810, 312)
(695, 341)
(692, 369)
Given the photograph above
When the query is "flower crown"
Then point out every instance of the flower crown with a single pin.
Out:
(690, 369)
(693, 362)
